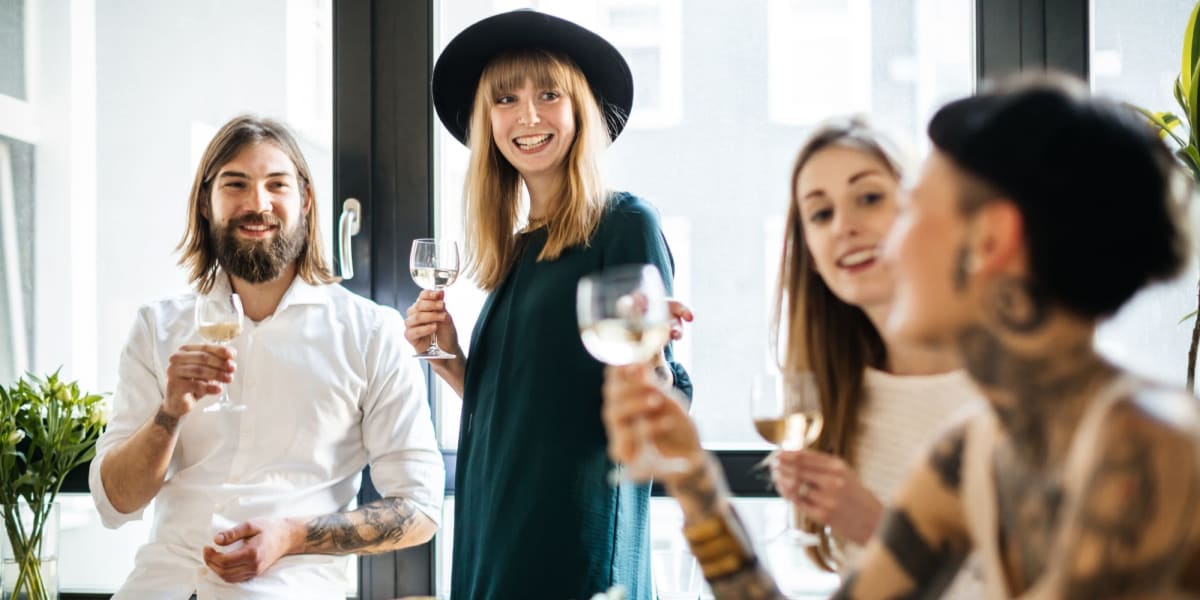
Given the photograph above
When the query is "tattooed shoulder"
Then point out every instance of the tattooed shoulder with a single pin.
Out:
(1136, 518)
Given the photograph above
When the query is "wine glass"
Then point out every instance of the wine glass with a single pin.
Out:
(787, 414)
(219, 321)
(434, 266)
(624, 320)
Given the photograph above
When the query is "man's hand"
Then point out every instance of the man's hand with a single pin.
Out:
(195, 371)
(263, 542)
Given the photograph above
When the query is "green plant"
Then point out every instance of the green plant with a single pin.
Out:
(1187, 143)
(47, 428)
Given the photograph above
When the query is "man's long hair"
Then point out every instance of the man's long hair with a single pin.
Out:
(198, 253)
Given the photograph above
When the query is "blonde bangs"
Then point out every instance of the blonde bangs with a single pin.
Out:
(509, 71)
(492, 196)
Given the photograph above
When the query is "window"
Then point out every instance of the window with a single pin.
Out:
(1135, 57)
(17, 276)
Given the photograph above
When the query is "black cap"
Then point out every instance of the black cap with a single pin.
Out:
(1092, 181)
(457, 71)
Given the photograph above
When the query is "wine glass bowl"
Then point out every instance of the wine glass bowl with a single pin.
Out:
(433, 265)
(219, 320)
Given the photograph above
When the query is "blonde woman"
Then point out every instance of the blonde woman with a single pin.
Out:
(537, 99)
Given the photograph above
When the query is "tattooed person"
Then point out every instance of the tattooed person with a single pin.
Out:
(1039, 212)
(252, 503)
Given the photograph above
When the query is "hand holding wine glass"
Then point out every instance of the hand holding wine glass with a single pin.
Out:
(434, 266)
(785, 415)
(624, 319)
(219, 321)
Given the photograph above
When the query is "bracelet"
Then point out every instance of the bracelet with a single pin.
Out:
(718, 550)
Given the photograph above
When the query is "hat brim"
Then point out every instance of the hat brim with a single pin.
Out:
(457, 71)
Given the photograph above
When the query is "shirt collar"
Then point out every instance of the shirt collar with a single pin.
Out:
(300, 292)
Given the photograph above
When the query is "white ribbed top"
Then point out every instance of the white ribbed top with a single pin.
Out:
(903, 415)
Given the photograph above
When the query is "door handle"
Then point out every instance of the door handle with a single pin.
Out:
(348, 226)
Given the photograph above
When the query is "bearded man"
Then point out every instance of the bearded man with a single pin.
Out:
(253, 503)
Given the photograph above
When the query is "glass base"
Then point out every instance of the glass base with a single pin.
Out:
(224, 407)
(434, 353)
(646, 466)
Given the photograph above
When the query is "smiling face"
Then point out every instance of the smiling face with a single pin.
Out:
(533, 126)
(258, 213)
(847, 203)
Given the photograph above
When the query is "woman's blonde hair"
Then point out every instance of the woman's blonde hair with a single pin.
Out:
(492, 196)
(832, 340)
(198, 253)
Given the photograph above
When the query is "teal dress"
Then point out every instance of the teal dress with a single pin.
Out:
(534, 513)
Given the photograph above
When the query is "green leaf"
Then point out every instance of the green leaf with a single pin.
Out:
(1188, 316)
(1191, 52)
(1164, 122)
(1180, 95)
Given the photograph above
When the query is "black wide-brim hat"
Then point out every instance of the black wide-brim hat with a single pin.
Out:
(457, 71)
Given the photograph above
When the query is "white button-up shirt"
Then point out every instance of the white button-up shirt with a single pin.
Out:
(330, 386)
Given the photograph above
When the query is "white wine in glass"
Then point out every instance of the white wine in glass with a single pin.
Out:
(791, 432)
(219, 321)
(786, 415)
(623, 320)
(433, 265)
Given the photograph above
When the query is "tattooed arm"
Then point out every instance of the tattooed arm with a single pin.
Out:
(1133, 530)
(922, 540)
(718, 538)
(380, 526)
(634, 408)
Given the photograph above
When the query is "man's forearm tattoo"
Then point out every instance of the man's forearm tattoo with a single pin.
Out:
(167, 422)
(375, 527)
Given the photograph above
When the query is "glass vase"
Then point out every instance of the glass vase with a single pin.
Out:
(29, 552)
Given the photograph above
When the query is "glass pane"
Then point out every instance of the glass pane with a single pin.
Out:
(763, 517)
(726, 93)
(12, 48)
(17, 275)
(131, 92)
(1136, 58)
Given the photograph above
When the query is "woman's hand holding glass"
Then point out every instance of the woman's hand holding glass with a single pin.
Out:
(434, 266)
(827, 491)
(428, 316)
(639, 415)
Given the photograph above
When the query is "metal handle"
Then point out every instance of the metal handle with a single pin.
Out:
(348, 226)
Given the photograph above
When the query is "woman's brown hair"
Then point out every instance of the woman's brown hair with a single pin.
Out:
(197, 249)
(492, 196)
(833, 341)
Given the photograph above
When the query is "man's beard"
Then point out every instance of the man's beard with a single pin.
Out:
(258, 261)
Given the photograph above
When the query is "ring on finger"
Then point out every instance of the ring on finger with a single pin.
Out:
(804, 489)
